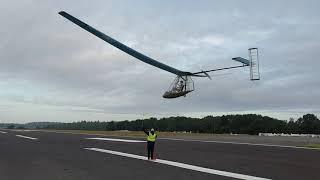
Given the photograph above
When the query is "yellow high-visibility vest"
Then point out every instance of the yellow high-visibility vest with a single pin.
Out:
(152, 138)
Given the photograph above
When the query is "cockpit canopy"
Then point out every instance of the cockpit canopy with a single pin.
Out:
(181, 86)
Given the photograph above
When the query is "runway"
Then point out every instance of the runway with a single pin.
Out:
(47, 155)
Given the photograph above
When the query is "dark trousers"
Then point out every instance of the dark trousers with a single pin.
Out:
(150, 147)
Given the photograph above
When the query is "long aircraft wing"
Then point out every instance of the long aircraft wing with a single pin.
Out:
(122, 47)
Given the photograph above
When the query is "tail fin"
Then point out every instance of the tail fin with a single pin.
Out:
(254, 64)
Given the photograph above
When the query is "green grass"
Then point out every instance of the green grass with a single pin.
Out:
(135, 134)
(105, 133)
(317, 146)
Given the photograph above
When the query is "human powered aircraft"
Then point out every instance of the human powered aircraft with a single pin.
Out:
(182, 84)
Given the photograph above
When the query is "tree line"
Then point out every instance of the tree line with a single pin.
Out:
(237, 124)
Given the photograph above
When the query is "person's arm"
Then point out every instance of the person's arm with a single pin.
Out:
(146, 131)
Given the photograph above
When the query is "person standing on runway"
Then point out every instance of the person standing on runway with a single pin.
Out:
(151, 139)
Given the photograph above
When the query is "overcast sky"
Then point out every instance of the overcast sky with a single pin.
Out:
(52, 70)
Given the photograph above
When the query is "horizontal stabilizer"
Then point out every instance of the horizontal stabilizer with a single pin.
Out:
(242, 60)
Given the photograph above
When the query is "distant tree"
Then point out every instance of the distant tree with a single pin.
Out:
(240, 124)
(10, 126)
(309, 124)
(292, 127)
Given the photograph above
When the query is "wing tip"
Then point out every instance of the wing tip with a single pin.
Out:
(62, 12)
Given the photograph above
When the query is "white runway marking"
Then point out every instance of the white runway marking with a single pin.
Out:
(3, 132)
(239, 143)
(27, 137)
(181, 165)
(24, 130)
(119, 140)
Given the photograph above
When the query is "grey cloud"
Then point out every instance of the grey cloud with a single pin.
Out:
(48, 61)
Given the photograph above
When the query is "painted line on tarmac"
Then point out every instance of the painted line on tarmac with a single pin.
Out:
(181, 165)
(26, 137)
(3, 132)
(23, 130)
(118, 140)
(239, 143)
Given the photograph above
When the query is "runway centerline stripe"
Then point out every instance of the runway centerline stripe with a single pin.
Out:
(239, 143)
(26, 137)
(3, 132)
(118, 140)
(181, 165)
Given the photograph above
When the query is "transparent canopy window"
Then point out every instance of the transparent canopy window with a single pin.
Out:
(181, 86)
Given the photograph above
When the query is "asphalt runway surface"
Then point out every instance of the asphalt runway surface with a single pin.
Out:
(57, 156)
